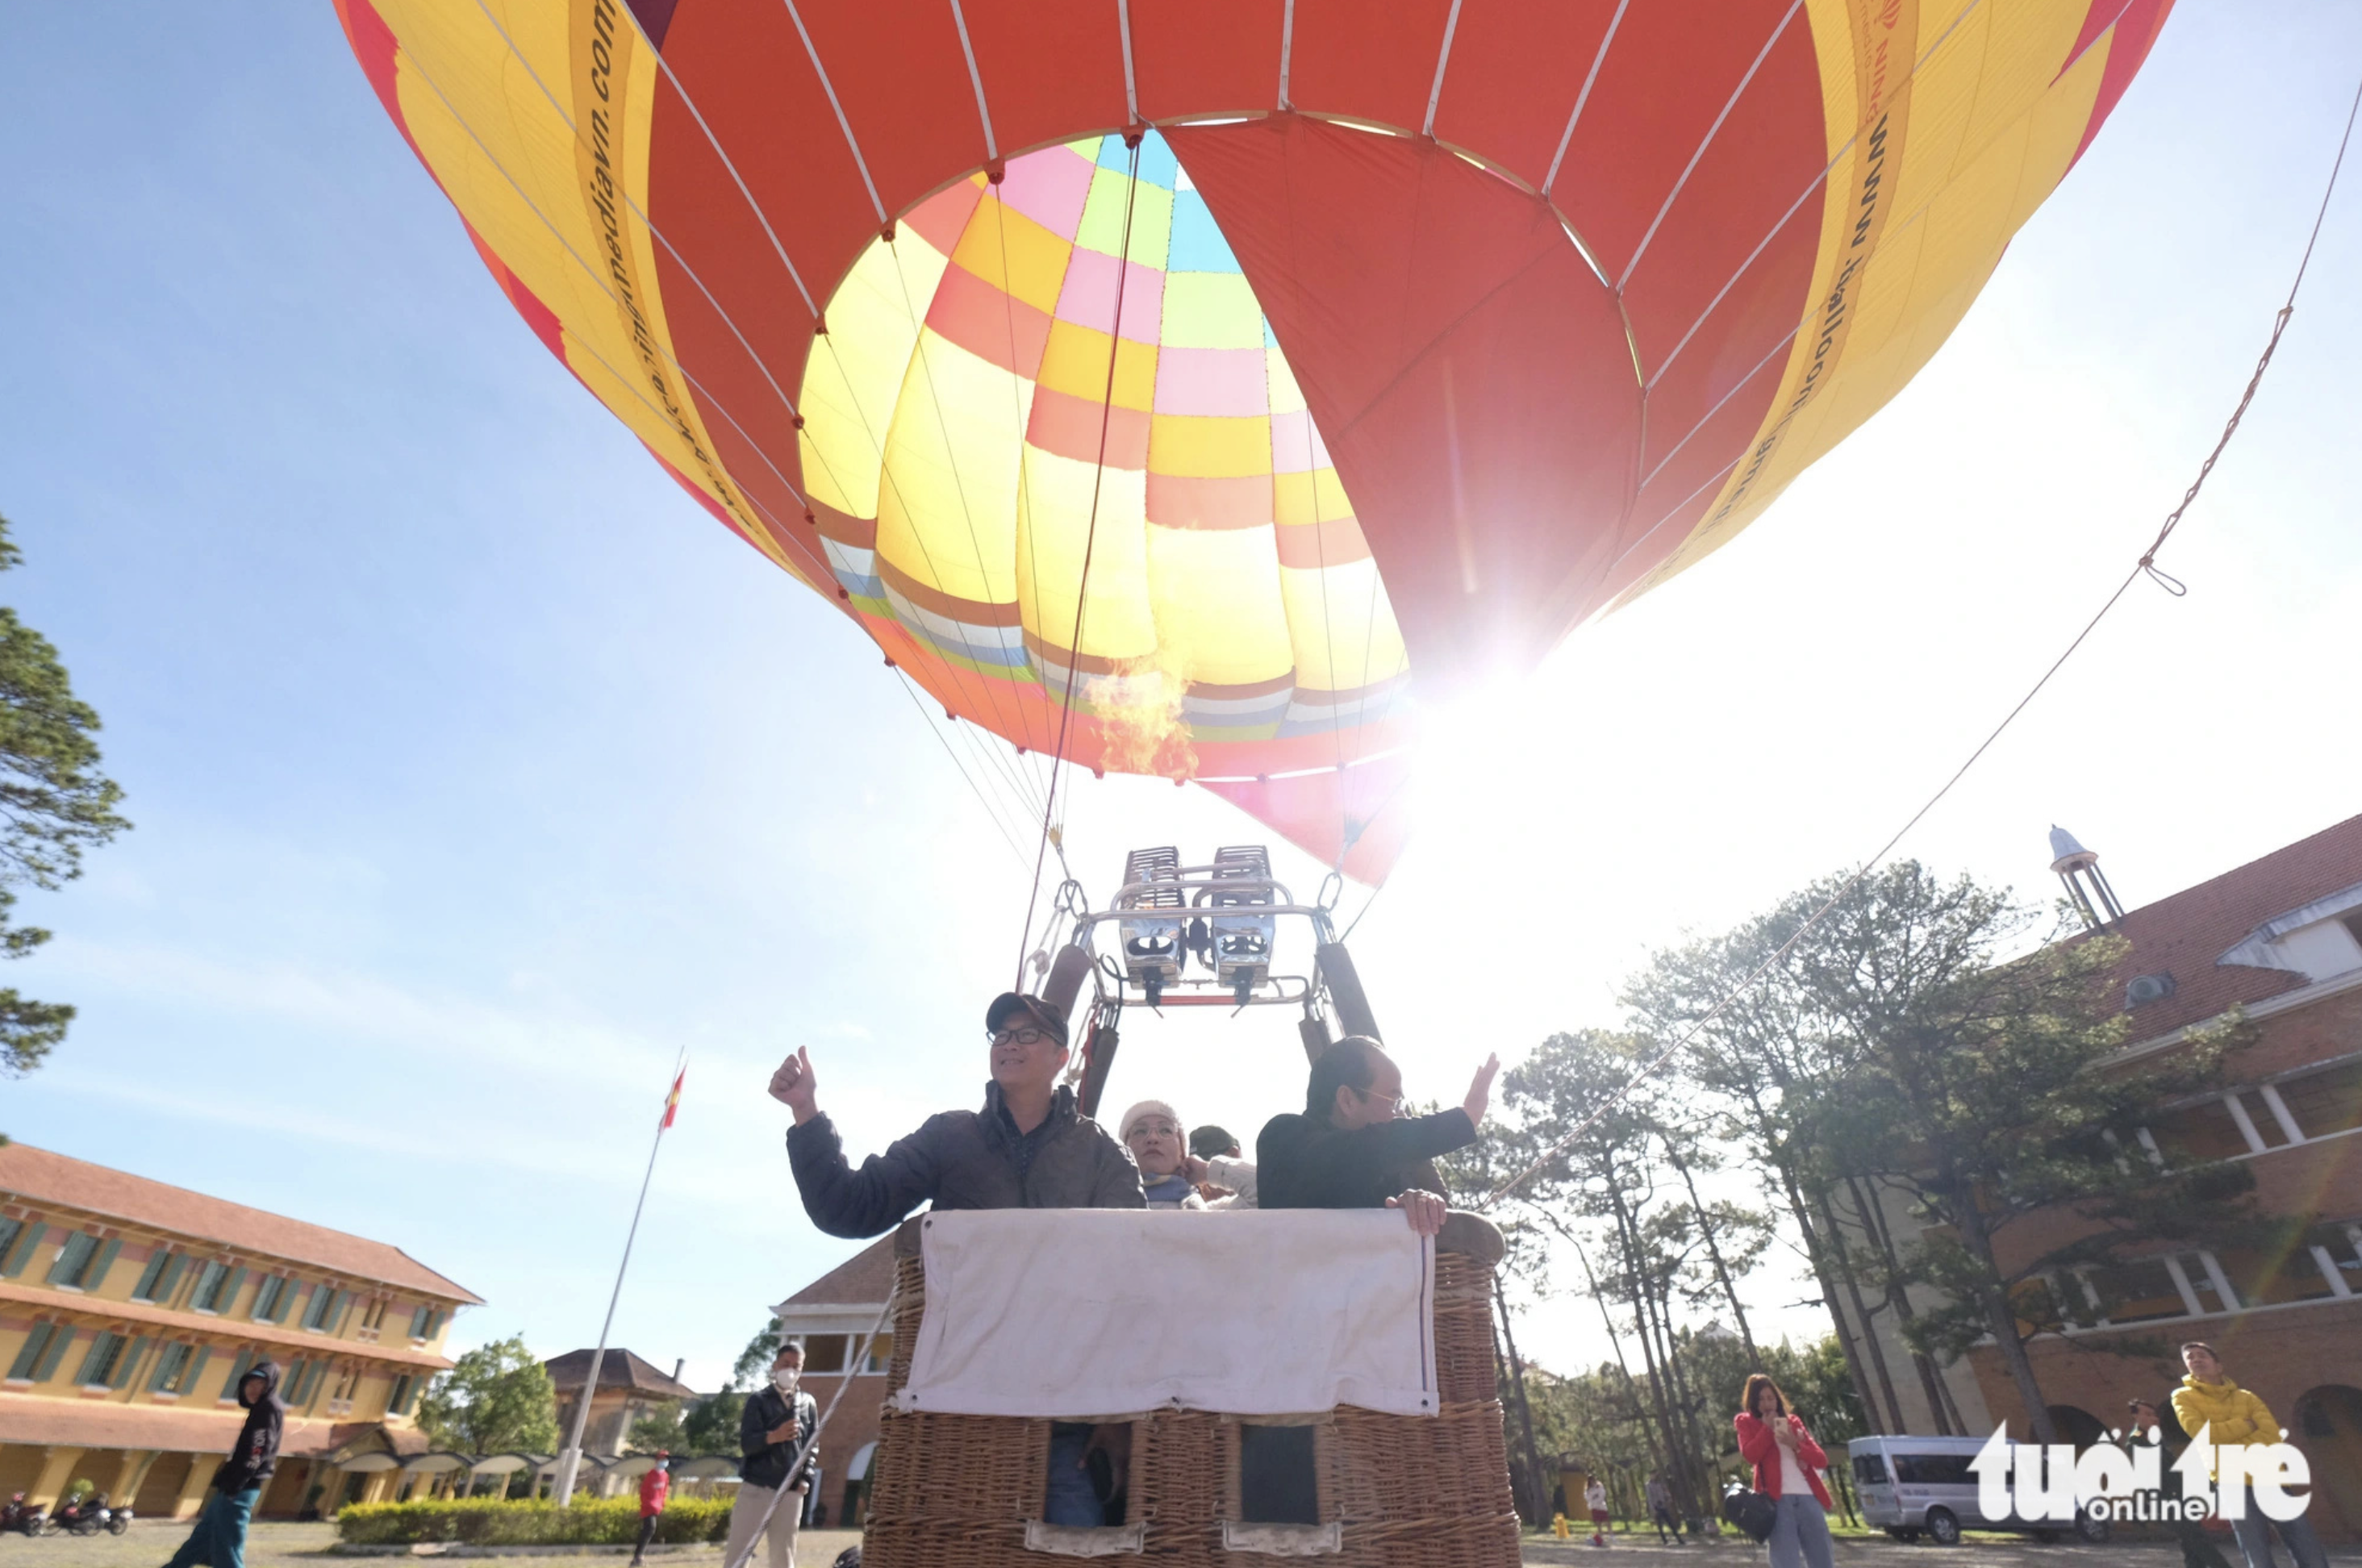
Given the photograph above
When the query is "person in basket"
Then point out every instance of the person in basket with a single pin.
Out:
(1788, 1466)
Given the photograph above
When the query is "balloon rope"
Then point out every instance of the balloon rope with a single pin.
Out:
(2146, 564)
(853, 1361)
(1090, 539)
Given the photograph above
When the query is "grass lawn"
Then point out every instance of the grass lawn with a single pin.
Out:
(272, 1545)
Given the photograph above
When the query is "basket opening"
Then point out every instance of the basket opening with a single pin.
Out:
(1277, 1479)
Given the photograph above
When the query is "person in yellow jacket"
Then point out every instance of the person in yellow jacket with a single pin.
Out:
(2208, 1399)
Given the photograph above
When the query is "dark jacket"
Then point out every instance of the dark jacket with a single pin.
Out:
(256, 1455)
(962, 1159)
(763, 1462)
(1301, 1162)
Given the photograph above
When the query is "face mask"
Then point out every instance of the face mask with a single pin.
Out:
(785, 1381)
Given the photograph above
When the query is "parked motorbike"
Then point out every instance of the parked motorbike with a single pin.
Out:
(118, 1520)
(18, 1515)
(86, 1516)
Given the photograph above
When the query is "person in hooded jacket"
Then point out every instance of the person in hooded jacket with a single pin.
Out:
(1028, 1148)
(2209, 1402)
(776, 1423)
(219, 1538)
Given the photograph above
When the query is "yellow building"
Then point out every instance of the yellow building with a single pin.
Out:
(129, 1308)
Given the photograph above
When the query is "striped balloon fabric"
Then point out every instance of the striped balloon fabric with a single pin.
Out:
(992, 381)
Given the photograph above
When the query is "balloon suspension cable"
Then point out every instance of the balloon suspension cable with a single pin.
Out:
(804, 1450)
(1090, 539)
(2144, 565)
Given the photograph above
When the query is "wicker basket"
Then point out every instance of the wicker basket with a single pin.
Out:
(1401, 1491)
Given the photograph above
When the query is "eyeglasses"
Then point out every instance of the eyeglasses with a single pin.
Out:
(1389, 1100)
(1018, 1036)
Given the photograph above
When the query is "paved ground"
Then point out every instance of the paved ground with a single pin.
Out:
(150, 1542)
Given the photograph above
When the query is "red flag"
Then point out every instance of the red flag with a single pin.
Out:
(672, 1100)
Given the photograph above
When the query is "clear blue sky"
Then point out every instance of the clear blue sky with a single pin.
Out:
(476, 772)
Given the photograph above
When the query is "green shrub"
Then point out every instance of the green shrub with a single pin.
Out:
(495, 1522)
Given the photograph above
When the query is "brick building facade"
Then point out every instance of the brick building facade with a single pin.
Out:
(2279, 938)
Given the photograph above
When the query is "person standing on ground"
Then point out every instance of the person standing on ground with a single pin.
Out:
(1028, 1148)
(1788, 1466)
(1594, 1498)
(219, 1537)
(1660, 1510)
(1352, 1149)
(2208, 1399)
(2197, 1551)
(778, 1420)
(655, 1487)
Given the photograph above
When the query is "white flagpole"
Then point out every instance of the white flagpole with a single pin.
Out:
(570, 1459)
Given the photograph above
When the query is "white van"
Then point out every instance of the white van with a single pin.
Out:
(1911, 1485)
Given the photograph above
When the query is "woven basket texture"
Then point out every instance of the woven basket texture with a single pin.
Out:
(1410, 1491)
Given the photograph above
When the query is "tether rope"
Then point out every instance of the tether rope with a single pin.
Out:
(2146, 565)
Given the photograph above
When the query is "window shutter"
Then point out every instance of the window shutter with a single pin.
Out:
(97, 1275)
(229, 1294)
(25, 1247)
(37, 1339)
(57, 1353)
(291, 1309)
(163, 1364)
(172, 1272)
(337, 1311)
(68, 1260)
(91, 1364)
(129, 1366)
(196, 1370)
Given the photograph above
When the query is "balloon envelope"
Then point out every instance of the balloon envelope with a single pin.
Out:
(1407, 337)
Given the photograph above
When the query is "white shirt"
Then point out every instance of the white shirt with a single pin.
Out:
(1793, 1483)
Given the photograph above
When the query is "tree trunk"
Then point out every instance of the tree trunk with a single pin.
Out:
(1677, 1447)
(1615, 1343)
(1537, 1495)
(1714, 1251)
(1861, 1313)
(1873, 1224)
(2000, 1318)
(1816, 1250)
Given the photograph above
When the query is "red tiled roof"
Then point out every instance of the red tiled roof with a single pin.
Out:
(2185, 933)
(40, 1177)
(865, 1279)
(619, 1369)
(91, 1423)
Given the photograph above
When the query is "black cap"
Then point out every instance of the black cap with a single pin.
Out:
(1009, 1004)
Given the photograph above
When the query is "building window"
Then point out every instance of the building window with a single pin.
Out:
(73, 1266)
(43, 1348)
(2275, 1276)
(104, 1363)
(2326, 1102)
(422, 1322)
(2139, 1292)
(373, 1314)
(397, 1401)
(217, 1283)
(881, 1352)
(11, 1232)
(156, 1281)
(340, 1397)
(326, 1304)
(2196, 1134)
(176, 1369)
(239, 1366)
(271, 1297)
(824, 1353)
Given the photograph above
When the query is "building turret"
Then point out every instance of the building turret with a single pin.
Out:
(2086, 884)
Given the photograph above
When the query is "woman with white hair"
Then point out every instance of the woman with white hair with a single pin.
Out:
(1152, 1131)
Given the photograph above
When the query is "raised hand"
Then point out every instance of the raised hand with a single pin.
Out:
(1480, 1090)
(1425, 1209)
(794, 1086)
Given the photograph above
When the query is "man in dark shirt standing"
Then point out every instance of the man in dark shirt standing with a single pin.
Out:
(778, 1419)
(219, 1538)
(1351, 1149)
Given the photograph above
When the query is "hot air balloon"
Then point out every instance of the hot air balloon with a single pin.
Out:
(1177, 387)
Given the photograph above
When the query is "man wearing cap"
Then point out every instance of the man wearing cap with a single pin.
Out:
(1028, 1148)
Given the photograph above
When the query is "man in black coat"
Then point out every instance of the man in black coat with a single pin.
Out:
(219, 1538)
(1028, 1148)
(778, 1419)
(1351, 1150)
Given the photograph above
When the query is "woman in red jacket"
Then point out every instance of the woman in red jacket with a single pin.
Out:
(1788, 1466)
